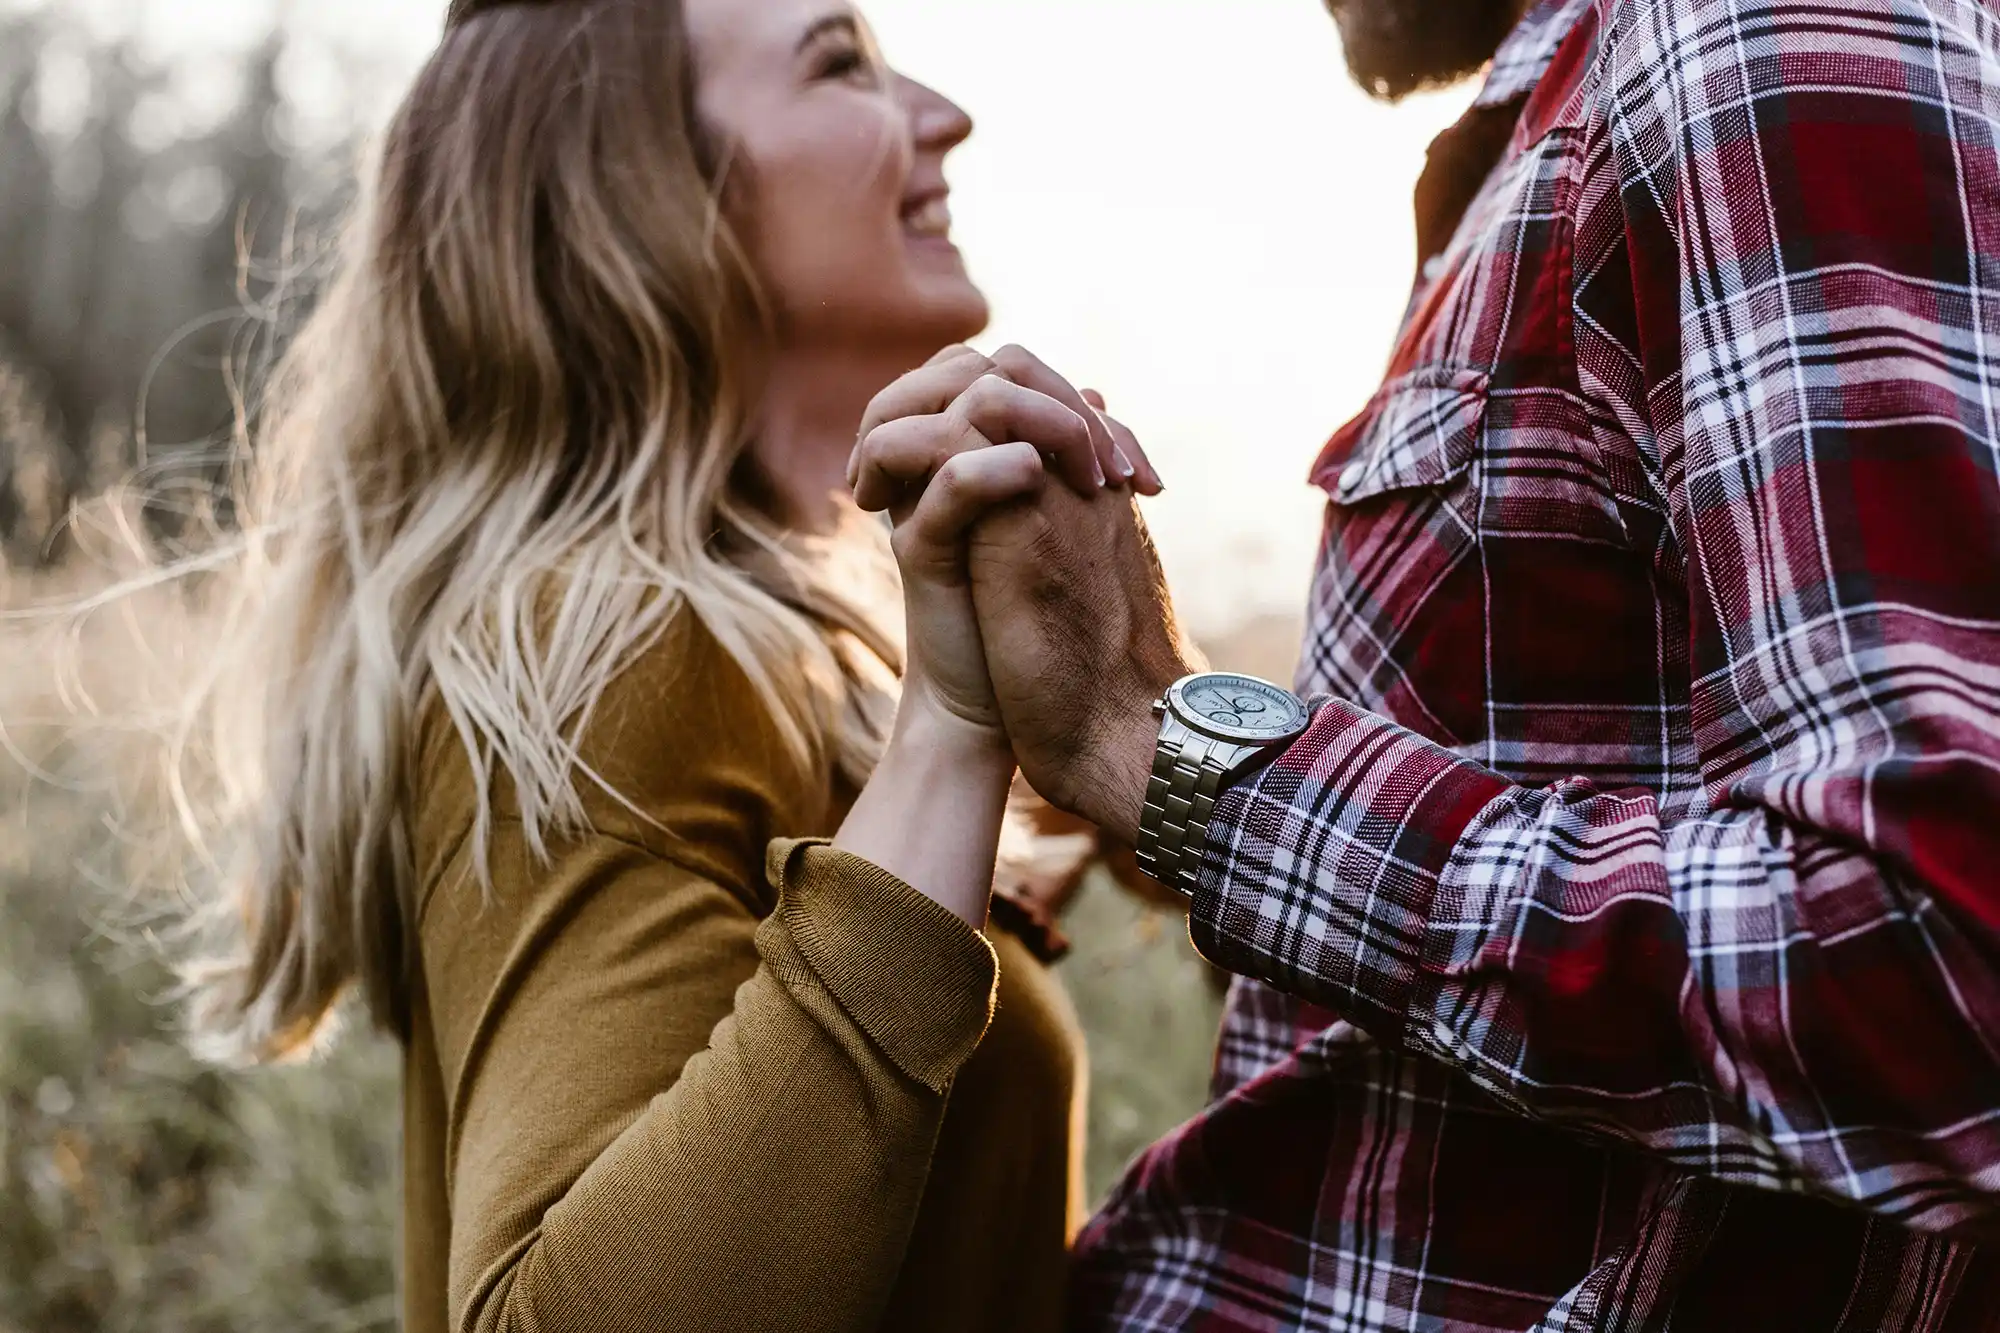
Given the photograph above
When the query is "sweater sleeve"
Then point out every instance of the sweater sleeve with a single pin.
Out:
(664, 1114)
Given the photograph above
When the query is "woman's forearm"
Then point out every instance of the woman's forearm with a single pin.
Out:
(931, 813)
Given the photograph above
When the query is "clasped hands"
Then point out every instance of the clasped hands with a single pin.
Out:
(1038, 615)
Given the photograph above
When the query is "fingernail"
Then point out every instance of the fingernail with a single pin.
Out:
(1125, 467)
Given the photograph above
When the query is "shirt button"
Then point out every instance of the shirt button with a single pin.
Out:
(1350, 479)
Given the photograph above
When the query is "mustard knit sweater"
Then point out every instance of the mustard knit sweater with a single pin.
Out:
(692, 1075)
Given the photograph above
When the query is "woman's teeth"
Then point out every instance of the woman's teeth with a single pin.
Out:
(933, 218)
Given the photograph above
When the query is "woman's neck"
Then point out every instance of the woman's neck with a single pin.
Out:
(807, 421)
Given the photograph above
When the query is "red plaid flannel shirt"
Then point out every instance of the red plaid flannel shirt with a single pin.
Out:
(1627, 933)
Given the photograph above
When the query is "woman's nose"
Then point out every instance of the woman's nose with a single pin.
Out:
(940, 123)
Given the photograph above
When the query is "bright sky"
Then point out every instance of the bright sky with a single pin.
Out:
(1187, 204)
(1184, 203)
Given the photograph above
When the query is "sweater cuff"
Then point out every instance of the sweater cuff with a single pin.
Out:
(914, 977)
(1319, 874)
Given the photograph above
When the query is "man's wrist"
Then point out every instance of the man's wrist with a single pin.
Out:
(1125, 739)
(1126, 743)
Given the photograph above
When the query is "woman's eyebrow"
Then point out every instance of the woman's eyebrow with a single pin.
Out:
(830, 23)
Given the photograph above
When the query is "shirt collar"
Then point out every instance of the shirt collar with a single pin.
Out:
(1525, 55)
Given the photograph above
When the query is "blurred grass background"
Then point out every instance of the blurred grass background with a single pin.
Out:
(138, 1189)
(144, 1191)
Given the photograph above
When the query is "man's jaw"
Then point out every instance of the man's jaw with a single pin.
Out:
(1397, 47)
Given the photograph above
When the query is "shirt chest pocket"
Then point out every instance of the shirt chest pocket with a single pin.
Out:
(1399, 595)
(1420, 430)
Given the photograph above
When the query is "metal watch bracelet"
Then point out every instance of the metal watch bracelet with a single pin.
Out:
(1180, 800)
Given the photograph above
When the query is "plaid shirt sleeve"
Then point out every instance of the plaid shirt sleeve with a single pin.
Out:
(1797, 987)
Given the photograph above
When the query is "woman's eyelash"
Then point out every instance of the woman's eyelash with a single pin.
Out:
(843, 63)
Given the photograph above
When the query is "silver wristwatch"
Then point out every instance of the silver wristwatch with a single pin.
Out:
(1214, 728)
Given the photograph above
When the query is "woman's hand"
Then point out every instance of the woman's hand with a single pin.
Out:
(941, 448)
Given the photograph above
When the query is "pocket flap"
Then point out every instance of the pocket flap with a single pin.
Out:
(1420, 429)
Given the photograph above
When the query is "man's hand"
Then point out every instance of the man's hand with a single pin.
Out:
(1080, 640)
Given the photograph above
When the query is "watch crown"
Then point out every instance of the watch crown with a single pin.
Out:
(1159, 707)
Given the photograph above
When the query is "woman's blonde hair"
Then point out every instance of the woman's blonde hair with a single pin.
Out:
(506, 448)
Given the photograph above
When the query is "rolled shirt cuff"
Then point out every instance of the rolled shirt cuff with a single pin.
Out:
(1319, 874)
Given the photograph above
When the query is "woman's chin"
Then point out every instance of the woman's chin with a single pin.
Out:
(956, 312)
(924, 311)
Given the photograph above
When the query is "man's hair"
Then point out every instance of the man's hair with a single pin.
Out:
(1395, 47)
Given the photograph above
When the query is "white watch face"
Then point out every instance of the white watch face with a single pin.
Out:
(1237, 708)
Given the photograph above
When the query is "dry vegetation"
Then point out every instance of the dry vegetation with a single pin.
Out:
(144, 1191)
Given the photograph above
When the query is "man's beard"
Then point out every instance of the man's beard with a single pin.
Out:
(1395, 47)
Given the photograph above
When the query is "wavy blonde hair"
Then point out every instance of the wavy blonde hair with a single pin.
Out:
(506, 448)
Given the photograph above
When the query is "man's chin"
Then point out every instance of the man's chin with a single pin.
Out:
(1397, 47)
